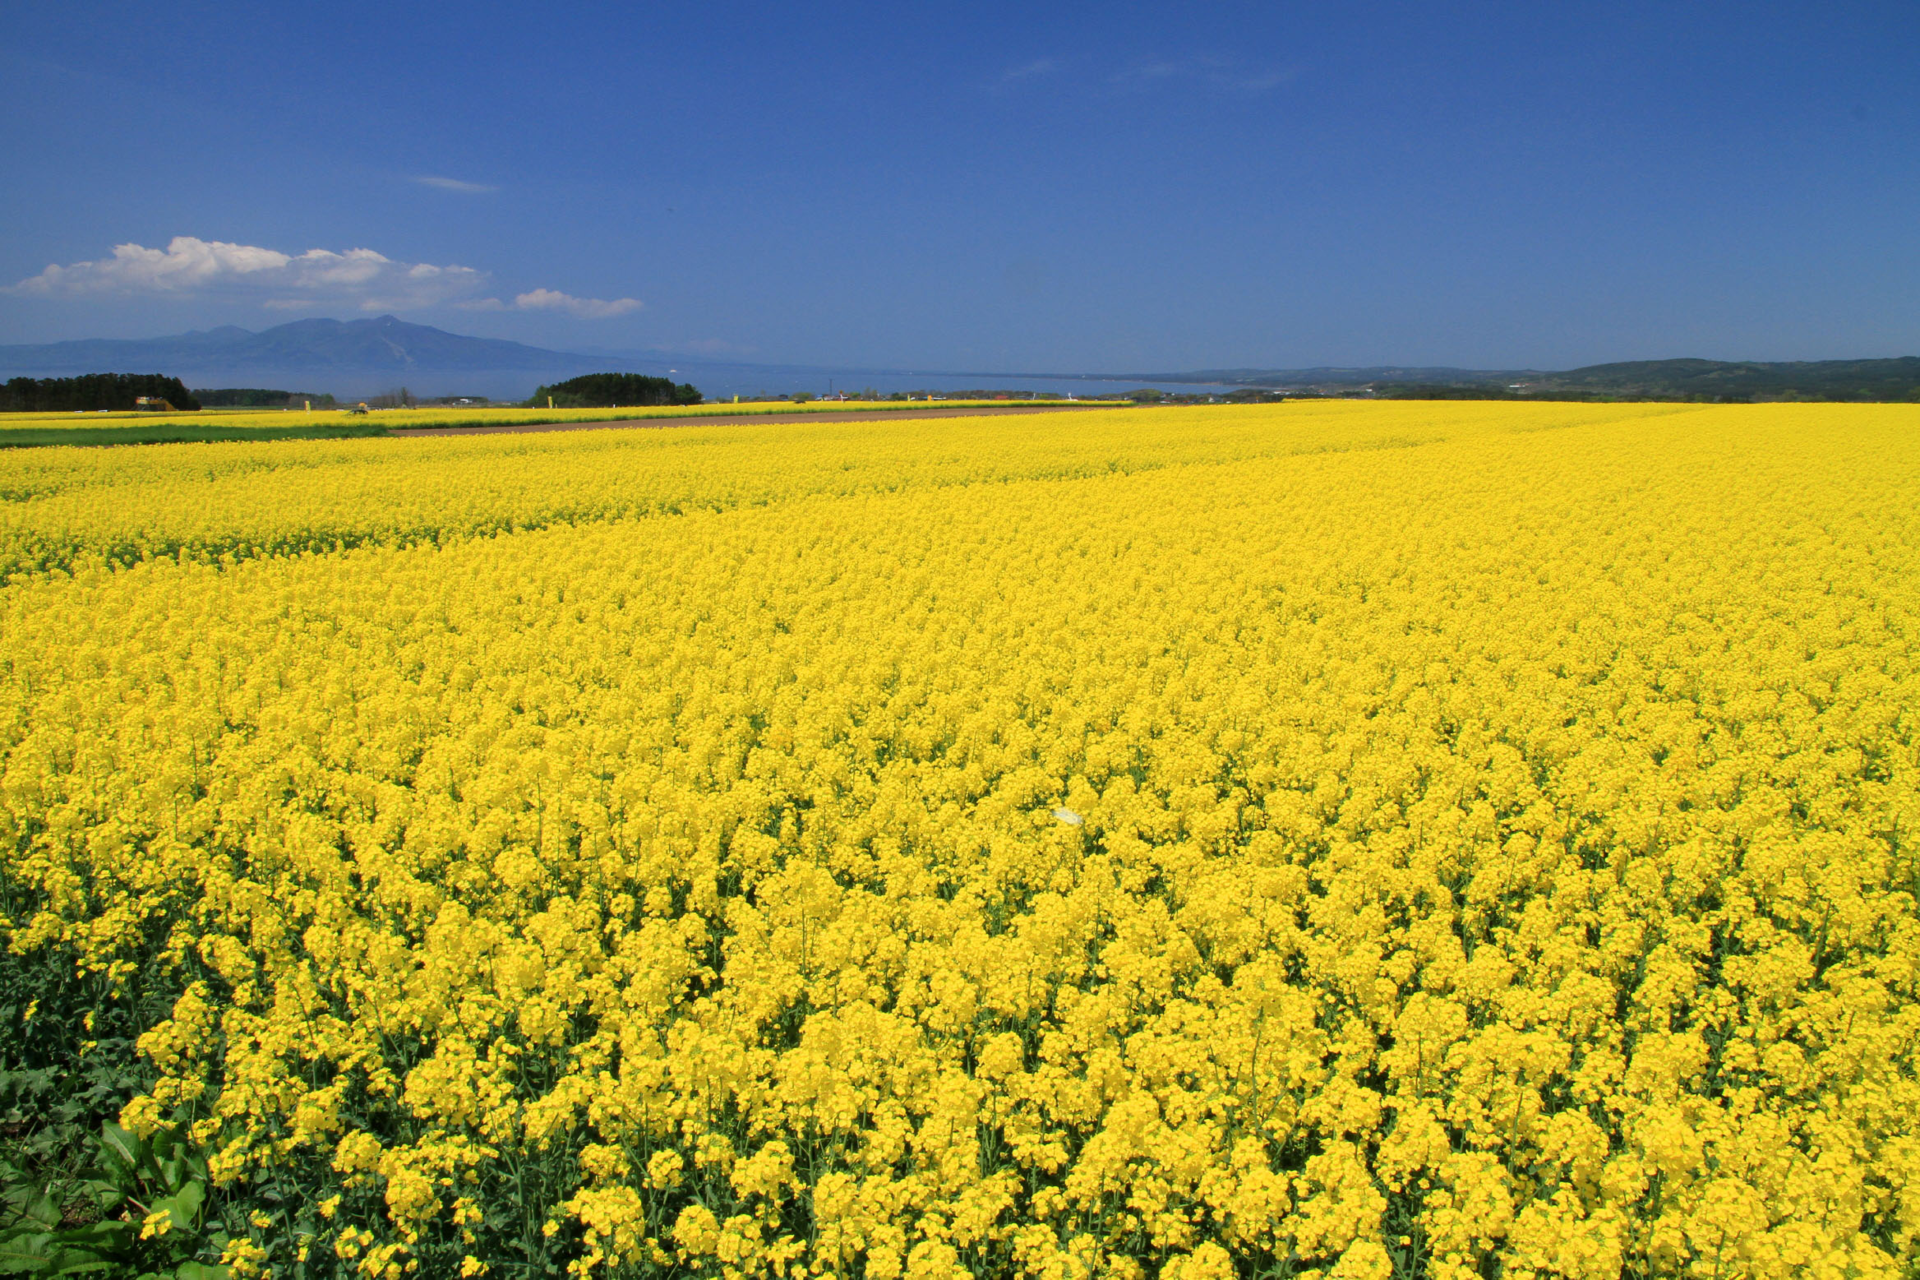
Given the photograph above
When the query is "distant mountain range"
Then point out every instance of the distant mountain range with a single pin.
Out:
(391, 350)
(318, 346)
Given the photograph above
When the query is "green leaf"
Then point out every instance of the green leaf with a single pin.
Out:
(19, 1260)
(43, 1210)
(122, 1144)
(98, 1237)
(43, 1255)
(23, 1251)
(105, 1196)
(183, 1207)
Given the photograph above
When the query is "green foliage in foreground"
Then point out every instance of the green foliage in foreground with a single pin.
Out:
(79, 1195)
(126, 1207)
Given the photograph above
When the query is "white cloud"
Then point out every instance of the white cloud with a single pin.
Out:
(186, 265)
(1027, 70)
(1223, 75)
(453, 184)
(583, 308)
(189, 266)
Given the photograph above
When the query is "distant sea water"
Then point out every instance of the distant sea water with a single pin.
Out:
(715, 381)
(720, 381)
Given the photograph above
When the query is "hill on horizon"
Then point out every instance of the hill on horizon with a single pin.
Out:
(1895, 379)
(388, 348)
(385, 343)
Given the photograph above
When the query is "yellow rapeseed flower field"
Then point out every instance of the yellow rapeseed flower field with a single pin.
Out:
(1354, 840)
(479, 415)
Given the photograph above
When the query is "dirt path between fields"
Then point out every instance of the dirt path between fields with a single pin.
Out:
(742, 419)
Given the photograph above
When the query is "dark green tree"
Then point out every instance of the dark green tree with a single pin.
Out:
(92, 392)
(606, 390)
(257, 398)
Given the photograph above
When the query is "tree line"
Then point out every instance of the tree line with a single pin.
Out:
(259, 398)
(608, 390)
(92, 393)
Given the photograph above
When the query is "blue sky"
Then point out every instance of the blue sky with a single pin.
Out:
(1071, 187)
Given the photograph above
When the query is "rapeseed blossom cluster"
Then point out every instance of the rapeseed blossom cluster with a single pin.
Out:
(439, 416)
(1354, 840)
(215, 502)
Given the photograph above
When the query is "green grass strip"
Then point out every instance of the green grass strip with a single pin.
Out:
(178, 433)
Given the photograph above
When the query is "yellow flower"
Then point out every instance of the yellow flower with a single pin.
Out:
(1490, 843)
